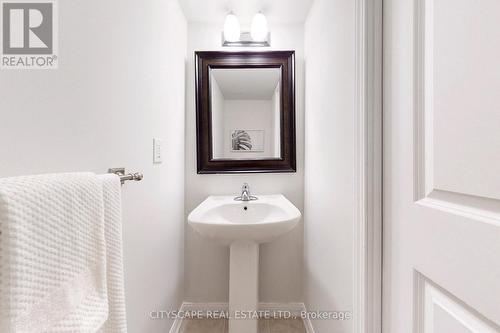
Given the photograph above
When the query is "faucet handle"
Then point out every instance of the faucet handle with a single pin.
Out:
(245, 194)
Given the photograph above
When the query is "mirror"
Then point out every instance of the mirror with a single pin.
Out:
(245, 112)
(245, 106)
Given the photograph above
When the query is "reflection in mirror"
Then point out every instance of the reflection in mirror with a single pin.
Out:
(245, 107)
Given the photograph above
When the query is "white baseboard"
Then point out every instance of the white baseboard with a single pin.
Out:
(176, 326)
(294, 308)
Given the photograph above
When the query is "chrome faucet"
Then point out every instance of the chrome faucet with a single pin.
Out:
(245, 194)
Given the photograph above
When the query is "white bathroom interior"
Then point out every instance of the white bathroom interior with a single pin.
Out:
(149, 86)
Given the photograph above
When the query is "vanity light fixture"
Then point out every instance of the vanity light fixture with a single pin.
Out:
(259, 29)
(258, 36)
(231, 28)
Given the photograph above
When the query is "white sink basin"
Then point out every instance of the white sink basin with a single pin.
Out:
(243, 225)
(225, 220)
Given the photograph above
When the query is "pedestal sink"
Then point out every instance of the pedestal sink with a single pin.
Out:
(243, 225)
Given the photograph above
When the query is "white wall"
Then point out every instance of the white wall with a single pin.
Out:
(206, 263)
(218, 116)
(276, 125)
(329, 192)
(120, 83)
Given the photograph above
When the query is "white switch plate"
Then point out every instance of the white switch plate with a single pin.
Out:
(157, 151)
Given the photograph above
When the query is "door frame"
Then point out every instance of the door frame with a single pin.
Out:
(367, 266)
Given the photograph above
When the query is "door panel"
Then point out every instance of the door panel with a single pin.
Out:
(441, 166)
(461, 52)
(439, 311)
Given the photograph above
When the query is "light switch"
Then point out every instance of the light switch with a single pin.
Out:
(157, 151)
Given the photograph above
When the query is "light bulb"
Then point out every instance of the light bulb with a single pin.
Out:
(231, 28)
(259, 29)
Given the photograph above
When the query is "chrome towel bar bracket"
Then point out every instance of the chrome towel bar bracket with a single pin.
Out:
(137, 176)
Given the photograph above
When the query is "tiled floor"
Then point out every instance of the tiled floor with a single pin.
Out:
(221, 326)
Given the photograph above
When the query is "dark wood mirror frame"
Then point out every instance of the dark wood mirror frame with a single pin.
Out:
(206, 60)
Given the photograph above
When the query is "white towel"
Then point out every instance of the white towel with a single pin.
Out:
(116, 322)
(52, 254)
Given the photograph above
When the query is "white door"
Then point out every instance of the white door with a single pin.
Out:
(441, 166)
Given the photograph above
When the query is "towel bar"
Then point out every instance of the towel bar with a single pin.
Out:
(137, 176)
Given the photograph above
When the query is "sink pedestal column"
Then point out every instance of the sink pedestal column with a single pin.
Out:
(243, 286)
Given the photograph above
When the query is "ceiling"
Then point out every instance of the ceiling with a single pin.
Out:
(276, 11)
(247, 84)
